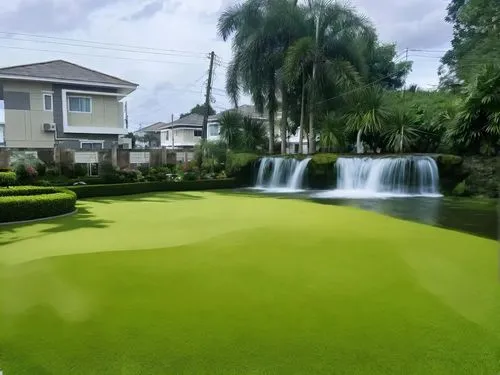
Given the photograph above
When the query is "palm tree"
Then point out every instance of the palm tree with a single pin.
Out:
(230, 129)
(330, 55)
(366, 113)
(401, 131)
(332, 132)
(263, 30)
(253, 134)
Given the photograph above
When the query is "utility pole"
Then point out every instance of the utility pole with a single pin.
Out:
(207, 96)
(172, 128)
(126, 115)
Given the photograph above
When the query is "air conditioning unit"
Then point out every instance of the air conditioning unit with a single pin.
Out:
(49, 127)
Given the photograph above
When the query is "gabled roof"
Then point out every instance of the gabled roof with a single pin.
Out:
(190, 121)
(245, 110)
(60, 70)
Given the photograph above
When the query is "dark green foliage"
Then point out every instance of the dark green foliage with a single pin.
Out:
(7, 178)
(28, 190)
(460, 190)
(30, 207)
(80, 170)
(321, 171)
(89, 191)
(241, 166)
(41, 169)
(26, 174)
(199, 110)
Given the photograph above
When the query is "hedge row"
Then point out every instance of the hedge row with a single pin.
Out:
(7, 178)
(90, 191)
(27, 190)
(21, 208)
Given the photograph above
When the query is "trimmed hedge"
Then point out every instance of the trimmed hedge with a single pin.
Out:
(8, 178)
(27, 190)
(21, 208)
(90, 191)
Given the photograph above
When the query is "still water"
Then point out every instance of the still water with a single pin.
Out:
(474, 216)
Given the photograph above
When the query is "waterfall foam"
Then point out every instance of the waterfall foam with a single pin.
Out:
(385, 177)
(281, 174)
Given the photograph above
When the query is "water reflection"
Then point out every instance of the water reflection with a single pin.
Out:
(475, 217)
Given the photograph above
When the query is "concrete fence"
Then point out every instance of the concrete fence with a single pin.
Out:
(123, 159)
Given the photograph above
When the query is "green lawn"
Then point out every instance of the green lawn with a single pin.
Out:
(207, 283)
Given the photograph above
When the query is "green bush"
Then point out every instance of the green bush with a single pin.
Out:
(89, 191)
(460, 190)
(41, 169)
(80, 170)
(321, 171)
(28, 190)
(8, 178)
(241, 167)
(30, 207)
(26, 174)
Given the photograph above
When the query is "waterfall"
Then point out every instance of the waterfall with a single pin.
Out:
(385, 177)
(281, 174)
(298, 175)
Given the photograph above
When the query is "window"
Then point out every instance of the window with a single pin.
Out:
(93, 169)
(88, 146)
(213, 130)
(48, 102)
(80, 104)
(197, 133)
(1, 134)
(166, 135)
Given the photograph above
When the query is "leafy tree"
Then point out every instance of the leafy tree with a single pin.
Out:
(230, 128)
(476, 128)
(401, 131)
(332, 133)
(199, 110)
(476, 39)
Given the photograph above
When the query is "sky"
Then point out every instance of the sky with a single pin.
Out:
(175, 38)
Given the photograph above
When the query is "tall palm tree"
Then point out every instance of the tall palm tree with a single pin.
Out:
(330, 55)
(262, 31)
(366, 112)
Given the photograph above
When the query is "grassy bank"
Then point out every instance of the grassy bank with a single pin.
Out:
(207, 283)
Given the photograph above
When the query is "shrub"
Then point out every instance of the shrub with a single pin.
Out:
(8, 178)
(20, 208)
(89, 191)
(26, 174)
(80, 170)
(41, 169)
(321, 171)
(241, 167)
(52, 172)
(460, 190)
(28, 190)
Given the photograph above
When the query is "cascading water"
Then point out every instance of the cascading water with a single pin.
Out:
(281, 174)
(385, 177)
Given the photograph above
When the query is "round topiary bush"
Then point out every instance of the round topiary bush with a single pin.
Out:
(31, 202)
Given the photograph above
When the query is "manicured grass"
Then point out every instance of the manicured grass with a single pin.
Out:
(210, 283)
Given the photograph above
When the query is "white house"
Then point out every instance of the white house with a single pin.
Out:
(182, 134)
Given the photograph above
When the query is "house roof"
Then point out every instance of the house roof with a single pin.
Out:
(60, 70)
(190, 121)
(245, 110)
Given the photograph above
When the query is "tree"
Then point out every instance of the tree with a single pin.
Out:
(476, 39)
(476, 128)
(333, 134)
(253, 134)
(262, 31)
(366, 114)
(330, 55)
(131, 136)
(199, 109)
(401, 131)
(230, 128)
(383, 67)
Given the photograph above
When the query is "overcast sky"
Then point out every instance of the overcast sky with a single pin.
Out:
(181, 33)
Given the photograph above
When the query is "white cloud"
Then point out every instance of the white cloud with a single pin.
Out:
(170, 86)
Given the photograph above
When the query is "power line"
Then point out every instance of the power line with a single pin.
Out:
(100, 56)
(102, 47)
(102, 43)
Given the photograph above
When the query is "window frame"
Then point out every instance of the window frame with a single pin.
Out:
(79, 97)
(90, 142)
(51, 95)
(199, 131)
